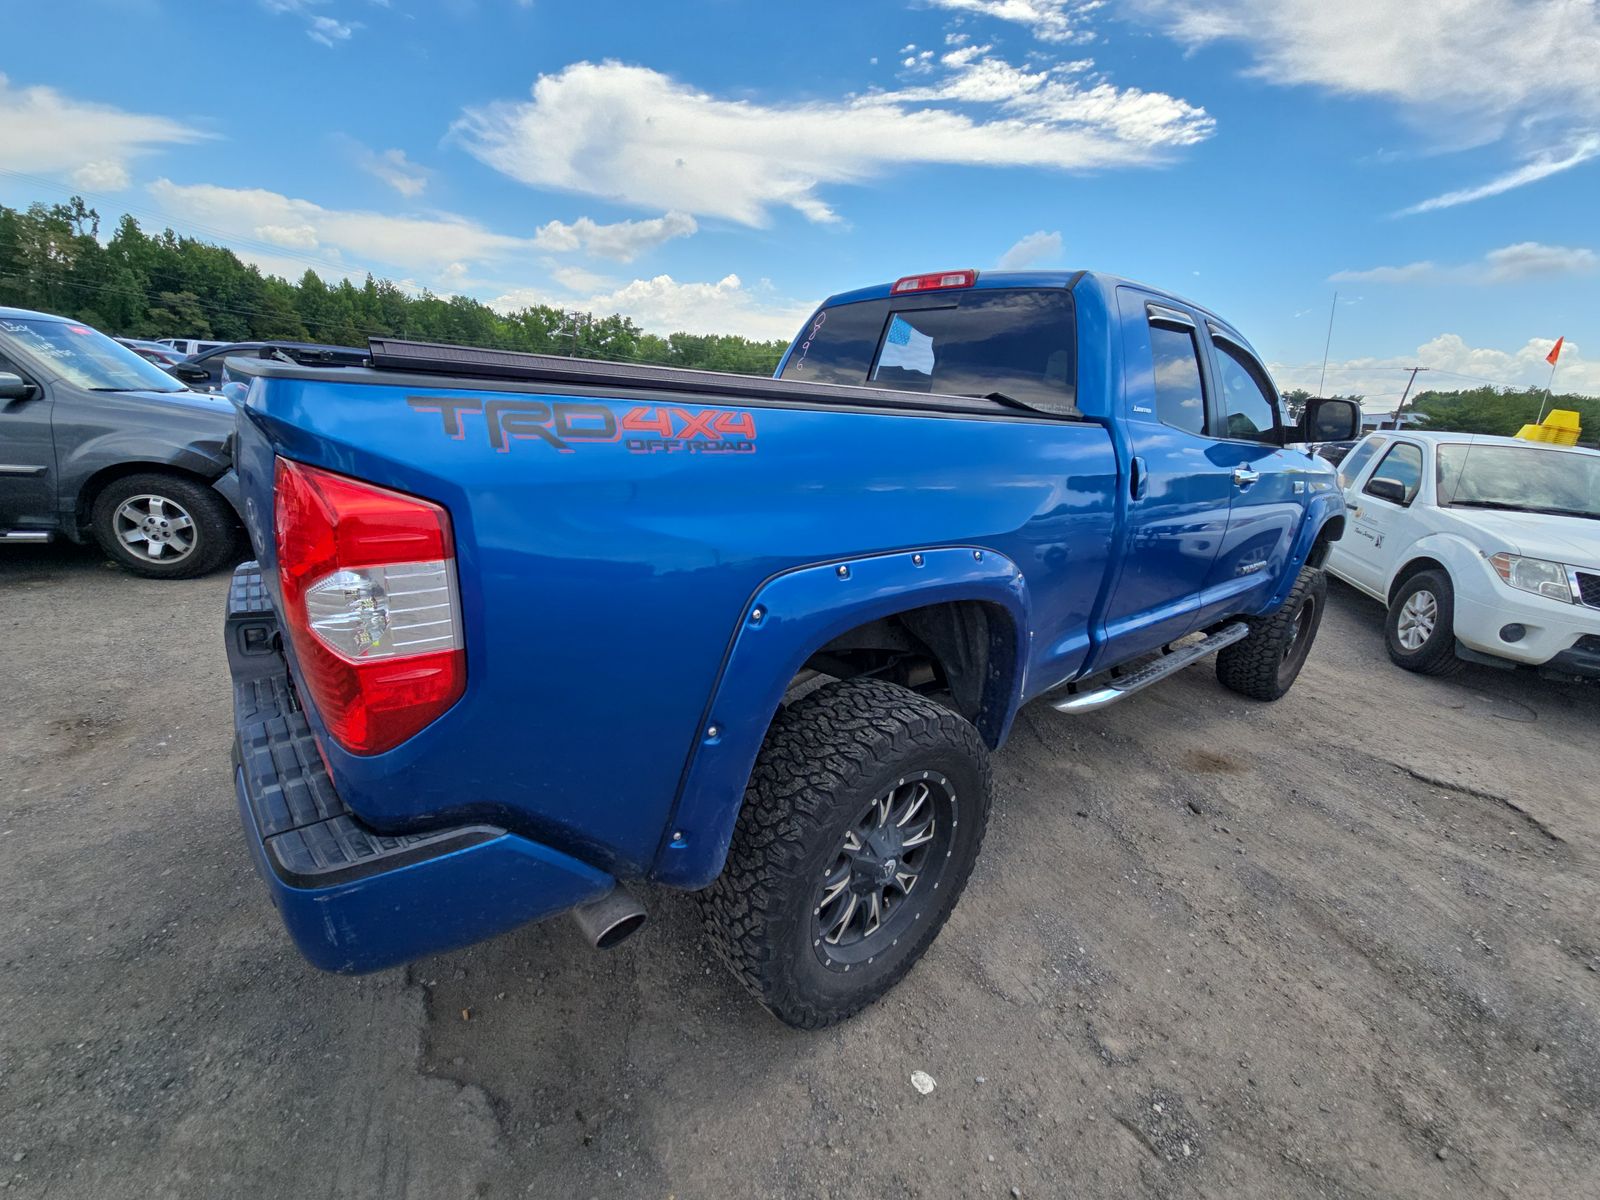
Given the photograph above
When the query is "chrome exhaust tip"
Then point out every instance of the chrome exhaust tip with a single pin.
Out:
(610, 920)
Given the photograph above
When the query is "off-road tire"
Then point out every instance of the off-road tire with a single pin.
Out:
(216, 531)
(1265, 664)
(825, 758)
(1437, 655)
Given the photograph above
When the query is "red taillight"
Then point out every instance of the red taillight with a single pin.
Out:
(369, 593)
(937, 282)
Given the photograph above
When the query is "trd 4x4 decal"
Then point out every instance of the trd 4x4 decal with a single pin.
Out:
(563, 424)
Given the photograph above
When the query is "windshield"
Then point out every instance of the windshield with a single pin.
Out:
(84, 357)
(1517, 477)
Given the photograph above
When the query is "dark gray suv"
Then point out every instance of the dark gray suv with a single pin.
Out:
(95, 442)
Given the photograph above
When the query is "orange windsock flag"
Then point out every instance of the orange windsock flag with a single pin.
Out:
(1555, 352)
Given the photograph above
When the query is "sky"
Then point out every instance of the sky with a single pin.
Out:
(724, 165)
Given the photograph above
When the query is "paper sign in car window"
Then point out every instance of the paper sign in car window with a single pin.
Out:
(905, 348)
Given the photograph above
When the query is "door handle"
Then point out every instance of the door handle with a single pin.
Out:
(1137, 475)
(1244, 476)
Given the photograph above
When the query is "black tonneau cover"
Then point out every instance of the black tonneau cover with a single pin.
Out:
(429, 358)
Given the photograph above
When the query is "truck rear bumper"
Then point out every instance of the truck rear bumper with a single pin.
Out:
(352, 898)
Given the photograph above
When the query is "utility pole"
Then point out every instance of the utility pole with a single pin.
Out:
(569, 328)
(1327, 342)
(1402, 405)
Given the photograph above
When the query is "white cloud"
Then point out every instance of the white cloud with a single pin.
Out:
(1417, 272)
(102, 176)
(1526, 260)
(291, 237)
(321, 28)
(1047, 20)
(580, 279)
(1036, 248)
(395, 169)
(1475, 70)
(635, 135)
(48, 133)
(328, 31)
(441, 249)
(1541, 167)
(1492, 59)
(1452, 365)
(664, 305)
(622, 241)
(1521, 260)
(422, 244)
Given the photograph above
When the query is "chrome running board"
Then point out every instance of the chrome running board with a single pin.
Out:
(1169, 663)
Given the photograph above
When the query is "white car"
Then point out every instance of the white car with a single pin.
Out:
(1484, 548)
(189, 347)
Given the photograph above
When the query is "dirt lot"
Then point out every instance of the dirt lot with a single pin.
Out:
(1343, 945)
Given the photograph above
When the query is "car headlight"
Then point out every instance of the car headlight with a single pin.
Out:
(1534, 575)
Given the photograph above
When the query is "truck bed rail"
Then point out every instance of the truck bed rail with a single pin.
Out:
(431, 358)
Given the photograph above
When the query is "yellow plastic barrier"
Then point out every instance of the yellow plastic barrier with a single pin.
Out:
(1560, 428)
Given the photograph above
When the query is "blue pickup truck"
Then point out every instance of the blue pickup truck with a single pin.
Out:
(525, 631)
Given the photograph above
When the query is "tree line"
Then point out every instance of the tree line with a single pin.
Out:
(1492, 410)
(136, 284)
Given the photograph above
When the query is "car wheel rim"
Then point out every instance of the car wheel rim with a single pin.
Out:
(1418, 616)
(1299, 643)
(155, 528)
(880, 881)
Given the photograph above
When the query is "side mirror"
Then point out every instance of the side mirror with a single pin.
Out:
(190, 373)
(15, 387)
(1329, 420)
(1391, 490)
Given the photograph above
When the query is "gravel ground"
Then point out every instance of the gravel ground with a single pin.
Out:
(1342, 945)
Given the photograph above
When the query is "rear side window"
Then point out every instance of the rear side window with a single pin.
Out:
(1180, 396)
(1355, 462)
(1020, 342)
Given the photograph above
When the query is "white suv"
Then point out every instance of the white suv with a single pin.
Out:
(1484, 548)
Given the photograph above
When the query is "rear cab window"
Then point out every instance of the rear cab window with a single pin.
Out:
(1020, 342)
(1179, 382)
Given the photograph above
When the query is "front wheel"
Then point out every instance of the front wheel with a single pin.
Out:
(1420, 630)
(861, 822)
(164, 526)
(1265, 664)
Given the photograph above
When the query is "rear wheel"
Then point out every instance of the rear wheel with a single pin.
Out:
(164, 526)
(1420, 630)
(1265, 664)
(861, 823)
